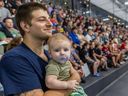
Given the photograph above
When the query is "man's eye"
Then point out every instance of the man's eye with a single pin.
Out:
(42, 20)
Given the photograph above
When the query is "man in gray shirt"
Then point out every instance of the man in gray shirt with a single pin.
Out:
(4, 12)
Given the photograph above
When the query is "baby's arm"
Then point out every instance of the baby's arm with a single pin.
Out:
(52, 83)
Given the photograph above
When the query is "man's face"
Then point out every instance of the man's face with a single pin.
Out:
(9, 23)
(90, 32)
(1, 3)
(40, 25)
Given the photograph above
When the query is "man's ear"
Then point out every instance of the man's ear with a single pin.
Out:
(49, 51)
(25, 26)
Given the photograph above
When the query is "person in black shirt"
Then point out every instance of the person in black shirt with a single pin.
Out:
(99, 55)
(84, 55)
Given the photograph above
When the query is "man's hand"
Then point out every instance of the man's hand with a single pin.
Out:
(72, 84)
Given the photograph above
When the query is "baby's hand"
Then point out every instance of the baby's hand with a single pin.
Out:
(72, 84)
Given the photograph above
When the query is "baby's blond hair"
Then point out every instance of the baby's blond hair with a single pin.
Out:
(57, 38)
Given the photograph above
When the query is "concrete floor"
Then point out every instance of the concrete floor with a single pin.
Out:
(119, 88)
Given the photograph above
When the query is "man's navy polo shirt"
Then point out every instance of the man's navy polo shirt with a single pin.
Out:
(22, 70)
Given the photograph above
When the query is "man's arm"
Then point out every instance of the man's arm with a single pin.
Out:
(89, 59)
(74, 75)
(35, 92)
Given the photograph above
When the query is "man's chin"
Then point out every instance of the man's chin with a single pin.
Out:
(46, 37)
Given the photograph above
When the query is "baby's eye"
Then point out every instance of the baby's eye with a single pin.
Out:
(57, 50)
(66, 49)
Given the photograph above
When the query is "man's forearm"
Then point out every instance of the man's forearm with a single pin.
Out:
(35, 92)
(75, 76)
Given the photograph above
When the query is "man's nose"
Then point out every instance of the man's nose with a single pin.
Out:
(49, 24)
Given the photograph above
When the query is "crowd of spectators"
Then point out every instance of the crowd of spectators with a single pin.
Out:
(101, 45)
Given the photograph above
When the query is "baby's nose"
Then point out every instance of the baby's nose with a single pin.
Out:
(62, 52)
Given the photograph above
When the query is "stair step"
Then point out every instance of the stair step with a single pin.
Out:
(94, 85)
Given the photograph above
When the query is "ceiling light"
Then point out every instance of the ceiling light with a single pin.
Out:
(126, 3)
(105, 19)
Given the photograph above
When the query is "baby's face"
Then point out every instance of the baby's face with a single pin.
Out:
(60, 51)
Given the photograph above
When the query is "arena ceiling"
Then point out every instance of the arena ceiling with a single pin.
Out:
(116, 7)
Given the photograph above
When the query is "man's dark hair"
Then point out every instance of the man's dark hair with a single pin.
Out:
(24, 13)
(4, 20)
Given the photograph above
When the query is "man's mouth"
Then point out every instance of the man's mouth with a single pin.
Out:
(48, 30)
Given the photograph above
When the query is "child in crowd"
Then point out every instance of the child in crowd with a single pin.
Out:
(59, 69)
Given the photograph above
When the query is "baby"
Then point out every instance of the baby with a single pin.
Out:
(58, 71)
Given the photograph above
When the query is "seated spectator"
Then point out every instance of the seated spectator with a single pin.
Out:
(99, 55)
(2, 36)
(13, 13)
(114, 49)
(9, 29)
(50, 8)
(73, 36)
(104, 37)
(4, 12)
(60, 15)
(89, 35)
(123, 47)
(81, 37)
(59, 29)
(77, 63)
(5, 31)
(109, 55)
(54, 20)
(84, 55)
(67, 25)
